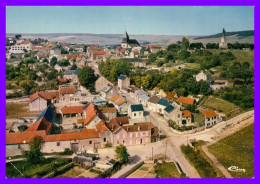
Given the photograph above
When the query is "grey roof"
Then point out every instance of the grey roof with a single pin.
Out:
(106, 89)
(122, 77)
(154, 99)
(164, 102)
(48, 113)
(169, 108)
(72, 72)
(137, 107)
(145, 97)
(141, 92)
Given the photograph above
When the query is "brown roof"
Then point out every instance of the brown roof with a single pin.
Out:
(41, 124)
(142, 126)
(23, 137)
(72, 110)
(114, 98)
(90, 113)
(67, 90)
(62, 80)
(120, 101)
(107, 109)
(47, 95)
(186, 100)
(171, 96)
(99, 52)
(117, 122)
(209, 114)
(84, 134)
(80, 120)
(186, 113)
(154, 99)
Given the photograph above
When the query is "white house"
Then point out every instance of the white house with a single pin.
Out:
(204, 75)
(136, 111)
(211, 118)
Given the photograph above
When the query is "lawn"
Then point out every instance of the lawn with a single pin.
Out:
(166, 170)
(219, 104)
(237, 150)
(33, 171)
(15, 110)
(145, 171)
(200, 162)
(198, 117)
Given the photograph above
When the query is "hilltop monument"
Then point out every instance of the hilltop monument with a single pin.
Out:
(129, 43)
(223, 43)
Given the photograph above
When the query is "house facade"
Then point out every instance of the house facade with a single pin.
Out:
(123, 82)
(136, 111)
(204, 75)
(211, 118)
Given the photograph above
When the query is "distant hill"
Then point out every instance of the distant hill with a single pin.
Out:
(161, 40)
(239, 35)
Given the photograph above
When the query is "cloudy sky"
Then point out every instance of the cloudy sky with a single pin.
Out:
(148, 20)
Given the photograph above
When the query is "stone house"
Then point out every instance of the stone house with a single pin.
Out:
(40, 100)
(108, 112)
(162, 104)
(136, 111)
(121, 106)
(152, 103)
(186, 100)
(186, 118)
(123, 82)
(67, 94)
(211, 118)
(204, 75)
(101, 83)
(72, 75)
(138, 93)
(73, 111)
(144, 100)
(107, 92)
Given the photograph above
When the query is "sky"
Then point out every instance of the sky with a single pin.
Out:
(144, 20)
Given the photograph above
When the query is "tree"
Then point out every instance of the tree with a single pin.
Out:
(18, 36)
(87, 77)
(22, 128)
(185, 43)
(27, 85)
(52, 75)
(73, 67)
(45, 60)
(122, 154)
(53, 61)
(64, 62)
(34, 155)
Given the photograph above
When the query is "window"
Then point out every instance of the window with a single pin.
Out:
(117, 142)
(179, 115)
(123, 141)
(19, 146)
(134, 114)
(58, 143)
(105, 140)
(208, 119)
(90, 142)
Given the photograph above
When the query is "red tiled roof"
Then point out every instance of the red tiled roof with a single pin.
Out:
(99, 53)
(209, 114)
(72, 110)
(186, 114)
(122, 50)
(186, 100)
(25, 42)
(90, 113)
(84, 134)
(107, 109)
(80, 120)
(23, 137)
(62, 80)
(41, 124)
(67, 90)
(47, 95)
(101, 126)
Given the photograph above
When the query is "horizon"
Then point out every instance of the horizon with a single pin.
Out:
(137, 20)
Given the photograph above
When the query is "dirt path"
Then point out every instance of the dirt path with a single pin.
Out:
(228, 131)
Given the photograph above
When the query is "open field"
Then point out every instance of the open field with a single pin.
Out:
(13, 112)
(237, 150)
(219, 105)
(201, 163)
(145, 171)
(33, 171)
(167, 170)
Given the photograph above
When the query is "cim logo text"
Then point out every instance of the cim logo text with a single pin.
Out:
(236, 169)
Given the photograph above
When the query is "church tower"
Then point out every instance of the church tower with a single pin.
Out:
(223, 43)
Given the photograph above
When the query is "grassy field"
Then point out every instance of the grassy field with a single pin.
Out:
(166, 170)
(145, 171)
(201, 163)
(15, 110)
(219, 105)
(237, 150)
(33, 171)
(198, 117)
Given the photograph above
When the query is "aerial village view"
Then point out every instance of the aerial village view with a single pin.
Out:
(129, 92)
